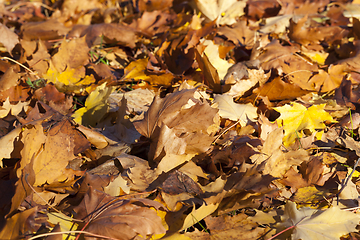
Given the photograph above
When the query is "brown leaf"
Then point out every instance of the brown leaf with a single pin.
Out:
(154, 5)
(46, 30)
(153, 22)
(18, 225)
(178, 182)
(36, 55)
(258, 9)
(278, 89)
(238, 33)
(174, 129)
(8, 38)
(304, 33)
(113, 33)
(72, 54)
(121, 219)
(228, 227)
(66, 142)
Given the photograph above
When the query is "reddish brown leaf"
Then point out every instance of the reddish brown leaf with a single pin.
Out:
(121, 219)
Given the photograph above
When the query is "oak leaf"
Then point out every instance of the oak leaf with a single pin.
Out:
(296, 118)
(13, 109)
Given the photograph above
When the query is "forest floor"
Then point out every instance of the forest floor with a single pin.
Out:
(168, 119)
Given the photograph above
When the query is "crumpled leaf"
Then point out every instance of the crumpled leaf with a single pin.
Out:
(70, 80)
(296, 117)
(178, 124)
(212, 52)
(96, 106)
(234, 111)
(329, 224)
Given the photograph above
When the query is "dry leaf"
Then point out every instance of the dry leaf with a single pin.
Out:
(234, 111)
(309, 223)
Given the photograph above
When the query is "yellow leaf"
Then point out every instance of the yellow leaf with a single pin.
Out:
(235, 111)
(66, 223)
(197, 215)
(212, 52)
(328, 224)
(70, 80)
(96, 106)
(318, 57)
(295, 118)
(137, 70)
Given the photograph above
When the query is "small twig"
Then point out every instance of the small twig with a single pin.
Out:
(227, 129)
(46, 203)
(347, 180)
(22, 65)
(66, 232)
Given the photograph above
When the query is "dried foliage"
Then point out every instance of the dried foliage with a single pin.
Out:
(164, 119)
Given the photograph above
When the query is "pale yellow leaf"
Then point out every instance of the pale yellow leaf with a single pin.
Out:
(234, 111)
(329, 224)
(113, 189)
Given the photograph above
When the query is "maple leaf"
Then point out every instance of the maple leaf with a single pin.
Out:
(234, 111)
(70, 80)
(224, 11)
(121, 219)
(295, 118)
(329, 224)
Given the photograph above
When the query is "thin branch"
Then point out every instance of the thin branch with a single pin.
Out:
(347, 180)
(66, 232)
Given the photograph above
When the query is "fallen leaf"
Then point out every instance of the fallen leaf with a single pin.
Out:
(19, 224)
(96, 106)
(224, 11)
(9, 39)
(234, 111)
(295, 118)
(13, 109)
(122, 219)
(176, 128)
(310, 223)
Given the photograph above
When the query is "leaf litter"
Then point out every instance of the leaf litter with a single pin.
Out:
(168, 120)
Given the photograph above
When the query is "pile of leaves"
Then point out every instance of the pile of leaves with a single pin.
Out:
(169, 119)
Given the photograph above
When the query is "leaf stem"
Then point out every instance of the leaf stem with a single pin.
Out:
(347, 180)
(287, 229)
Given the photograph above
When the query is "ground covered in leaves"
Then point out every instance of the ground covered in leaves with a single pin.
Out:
(168, 119)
